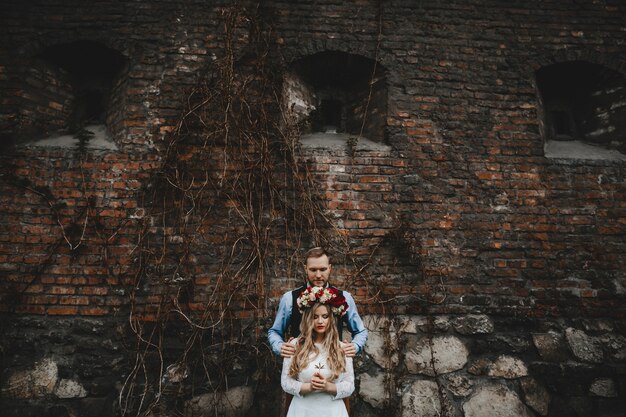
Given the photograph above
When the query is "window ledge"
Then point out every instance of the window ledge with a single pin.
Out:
(100, 140)
(339, 141)
(575, 149)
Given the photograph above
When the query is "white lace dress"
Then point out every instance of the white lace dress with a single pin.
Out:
(317, 404)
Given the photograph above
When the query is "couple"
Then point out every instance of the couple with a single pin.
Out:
(317, 369)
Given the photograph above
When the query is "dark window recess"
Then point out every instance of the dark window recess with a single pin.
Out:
(583, 101)
(92, 69)
(331, 115)
(89, 106)
(339, 93)
(562, 124)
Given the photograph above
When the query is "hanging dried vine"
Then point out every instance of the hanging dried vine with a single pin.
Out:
(232, 199)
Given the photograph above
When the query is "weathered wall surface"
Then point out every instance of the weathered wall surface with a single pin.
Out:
(492, 277)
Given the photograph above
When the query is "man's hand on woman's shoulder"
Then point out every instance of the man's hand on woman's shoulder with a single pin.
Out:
(288, 349)
(349, 349)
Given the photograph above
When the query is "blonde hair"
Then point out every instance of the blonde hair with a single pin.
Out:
(305, 346)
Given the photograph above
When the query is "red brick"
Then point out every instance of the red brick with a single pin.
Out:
(40, 299)
(93, 290)
(74, 300)
(34, 288)
(61, 290)
(30, 309)
(94, 311)
(489, 175)
(62, 311)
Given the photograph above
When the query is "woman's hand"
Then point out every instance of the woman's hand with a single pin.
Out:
(319, 383)
(306, 388)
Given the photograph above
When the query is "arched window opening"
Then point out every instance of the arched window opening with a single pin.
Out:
(69, 91)
(92, 69)
(339, 95)
(584, 111)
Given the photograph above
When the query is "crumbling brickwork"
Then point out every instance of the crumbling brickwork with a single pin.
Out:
(489, 272)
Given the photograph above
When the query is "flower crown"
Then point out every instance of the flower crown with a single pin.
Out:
(330, 296)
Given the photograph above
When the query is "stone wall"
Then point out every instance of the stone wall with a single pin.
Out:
(475, 365)
(492, 277)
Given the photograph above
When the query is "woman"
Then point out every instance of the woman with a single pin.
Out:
(319, 375)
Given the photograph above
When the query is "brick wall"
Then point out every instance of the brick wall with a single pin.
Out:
(69, 224)
(458, 213)
(46, 100)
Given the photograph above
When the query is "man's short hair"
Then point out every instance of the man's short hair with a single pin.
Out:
(316, 253)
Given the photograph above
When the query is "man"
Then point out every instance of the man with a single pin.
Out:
(317, 269)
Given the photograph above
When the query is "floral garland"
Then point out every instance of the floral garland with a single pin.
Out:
(330, 296)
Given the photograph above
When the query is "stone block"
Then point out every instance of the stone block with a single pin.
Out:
(473, 324)
(584, 347)
(614, 346)
(536, 396)
(35, 382)
(372, 389)
(551, 346)
(382, 343)
(383, 349)
(436, 324)
(441, 355)
(507, 367)
(68, 388)
(603, 387)
(423, 399)
(479, 366)
(495, 401)
(459, 385)
(232, 403)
